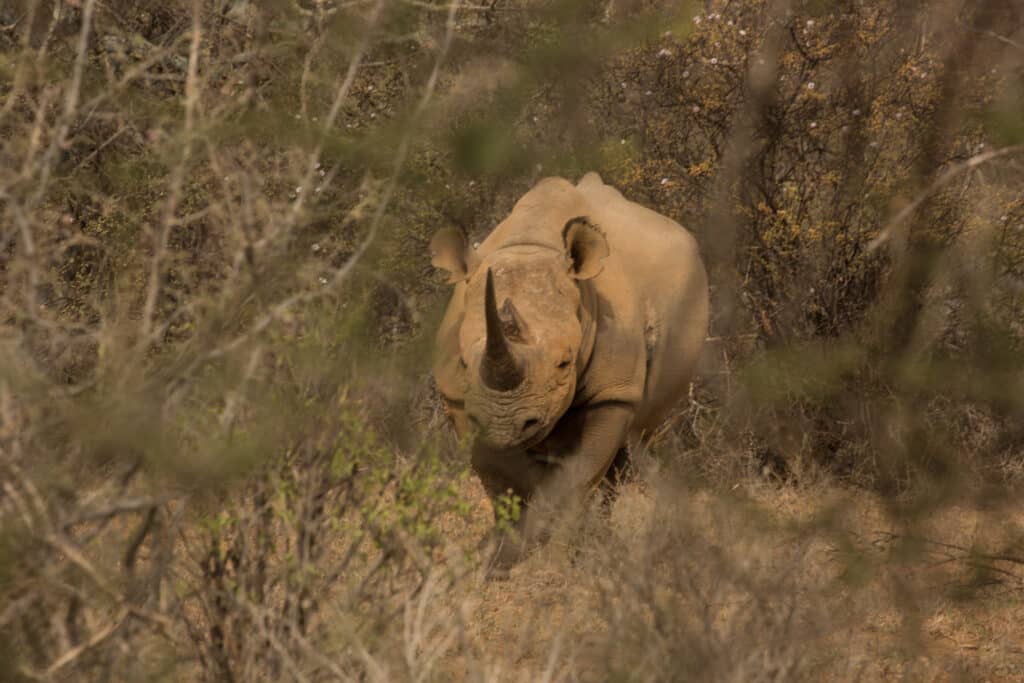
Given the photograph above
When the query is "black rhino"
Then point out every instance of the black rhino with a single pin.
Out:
(572, 330)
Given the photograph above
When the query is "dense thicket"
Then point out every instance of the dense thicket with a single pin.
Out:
(219, 449)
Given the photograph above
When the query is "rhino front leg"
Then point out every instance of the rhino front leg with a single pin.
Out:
(503, 473)
(578, 455)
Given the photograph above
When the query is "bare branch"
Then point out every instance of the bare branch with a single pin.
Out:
(947, 176)
(163, 230)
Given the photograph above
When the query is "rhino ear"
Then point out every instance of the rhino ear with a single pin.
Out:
(586, 247)
(449, 252)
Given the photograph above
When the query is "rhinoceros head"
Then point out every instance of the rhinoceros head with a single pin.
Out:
(521, 334)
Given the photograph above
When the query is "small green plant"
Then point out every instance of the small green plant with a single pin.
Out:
(507, 508)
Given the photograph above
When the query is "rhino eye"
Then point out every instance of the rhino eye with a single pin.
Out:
(564, 363)
(462, 363)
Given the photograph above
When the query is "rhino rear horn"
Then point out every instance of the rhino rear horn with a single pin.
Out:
(512, 324)
(499, 370)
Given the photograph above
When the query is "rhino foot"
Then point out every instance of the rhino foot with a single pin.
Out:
(500, 552)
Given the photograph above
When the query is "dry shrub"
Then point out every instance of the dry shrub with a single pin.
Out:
(818, 582)
(854, 179)
(187, 357)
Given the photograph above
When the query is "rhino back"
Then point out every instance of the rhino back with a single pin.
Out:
(539, 217)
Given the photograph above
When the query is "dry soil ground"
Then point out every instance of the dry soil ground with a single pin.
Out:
(764, 582)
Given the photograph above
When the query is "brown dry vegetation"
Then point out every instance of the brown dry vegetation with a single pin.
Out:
(221, 457)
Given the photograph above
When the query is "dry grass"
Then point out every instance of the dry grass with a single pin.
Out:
(760, 582)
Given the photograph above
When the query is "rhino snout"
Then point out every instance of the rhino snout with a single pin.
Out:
(517, 431)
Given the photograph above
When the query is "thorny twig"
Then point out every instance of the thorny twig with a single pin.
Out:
(170, 209)
(952, 172)
(383, 204)
(952, 552)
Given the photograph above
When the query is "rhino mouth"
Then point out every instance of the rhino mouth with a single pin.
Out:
(540, 451)
(542, 457)
(532, 445)
(537, 441)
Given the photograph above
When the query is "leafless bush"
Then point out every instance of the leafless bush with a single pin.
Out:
(182, 439)
(852, 174)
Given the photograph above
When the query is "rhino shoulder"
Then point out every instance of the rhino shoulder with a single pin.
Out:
(615, 375)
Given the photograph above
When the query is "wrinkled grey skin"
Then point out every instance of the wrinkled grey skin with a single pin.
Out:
(597, 312)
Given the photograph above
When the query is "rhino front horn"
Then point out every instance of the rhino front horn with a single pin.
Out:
(499, 369)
